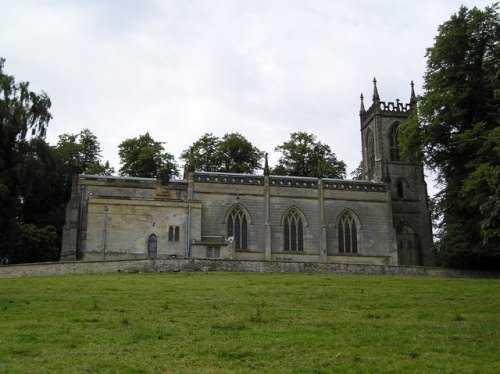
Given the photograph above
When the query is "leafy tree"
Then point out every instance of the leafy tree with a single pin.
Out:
(239, 155)
(204, 154)
(42, 190)
(304, 156)
(35, 244)
(457, 133)
(144, 157)
(81, 153)
(24, 117)
(231, 154)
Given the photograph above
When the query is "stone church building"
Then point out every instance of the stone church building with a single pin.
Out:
(381, 219)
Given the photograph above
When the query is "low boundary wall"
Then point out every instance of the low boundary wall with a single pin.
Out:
(175, 265)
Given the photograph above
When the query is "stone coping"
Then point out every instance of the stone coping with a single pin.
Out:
(176, 265)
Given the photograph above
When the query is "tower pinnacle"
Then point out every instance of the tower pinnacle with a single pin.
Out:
(413, 98)
(376, 97)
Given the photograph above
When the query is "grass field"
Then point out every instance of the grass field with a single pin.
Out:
(248, 322)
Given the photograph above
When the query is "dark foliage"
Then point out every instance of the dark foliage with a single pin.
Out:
(457, 133)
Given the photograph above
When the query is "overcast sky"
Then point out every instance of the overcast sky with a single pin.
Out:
(179, 69)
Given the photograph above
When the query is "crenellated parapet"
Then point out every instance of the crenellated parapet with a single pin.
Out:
(389, 108)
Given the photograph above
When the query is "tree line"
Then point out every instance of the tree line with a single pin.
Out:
(455, 131)
(301, 155)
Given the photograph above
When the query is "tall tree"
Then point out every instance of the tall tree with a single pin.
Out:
(204, 154)
(24, 115)
(42, 190)
(144, 157)
(457, 133)
(304, 156)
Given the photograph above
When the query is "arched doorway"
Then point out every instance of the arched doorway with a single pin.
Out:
(152, 246)
(407, 245)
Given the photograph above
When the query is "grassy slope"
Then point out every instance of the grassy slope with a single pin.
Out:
(245, 322)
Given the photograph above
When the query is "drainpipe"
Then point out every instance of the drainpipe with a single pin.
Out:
(78, 254)
(104, 233)
(188, 231)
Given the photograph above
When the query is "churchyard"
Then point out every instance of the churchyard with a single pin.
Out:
(213, 322)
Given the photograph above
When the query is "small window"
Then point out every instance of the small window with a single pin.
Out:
(213, 252)
(173, 233)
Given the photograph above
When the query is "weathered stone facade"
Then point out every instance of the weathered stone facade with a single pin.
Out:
(383, 219)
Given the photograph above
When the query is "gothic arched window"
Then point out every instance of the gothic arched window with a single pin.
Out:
(370, 149)
(293, 231)
(394, 142)
(347, 233)
(237, 227)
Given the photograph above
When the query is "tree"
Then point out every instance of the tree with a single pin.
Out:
(35, 244)
(304, 156)
(43, 190)
(144, 157)
(357, 174)
(231, 154)
(204, 154)
(81, 153)
(456, 133)
(239, 155)
(24, 116)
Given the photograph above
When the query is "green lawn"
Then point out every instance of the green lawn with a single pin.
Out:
(248, 322)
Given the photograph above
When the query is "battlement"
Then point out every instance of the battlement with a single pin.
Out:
(389, 108)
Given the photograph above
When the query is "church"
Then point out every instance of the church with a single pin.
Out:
(381, 219)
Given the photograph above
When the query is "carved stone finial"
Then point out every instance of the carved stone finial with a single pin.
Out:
(266, 165)
(362, 108)
(413, 98)
(376, 97)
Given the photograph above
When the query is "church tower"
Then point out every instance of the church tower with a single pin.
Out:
(382, 162)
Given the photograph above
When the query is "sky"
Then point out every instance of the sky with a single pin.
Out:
(180, 69)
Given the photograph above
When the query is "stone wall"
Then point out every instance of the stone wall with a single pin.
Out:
(175, 265)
